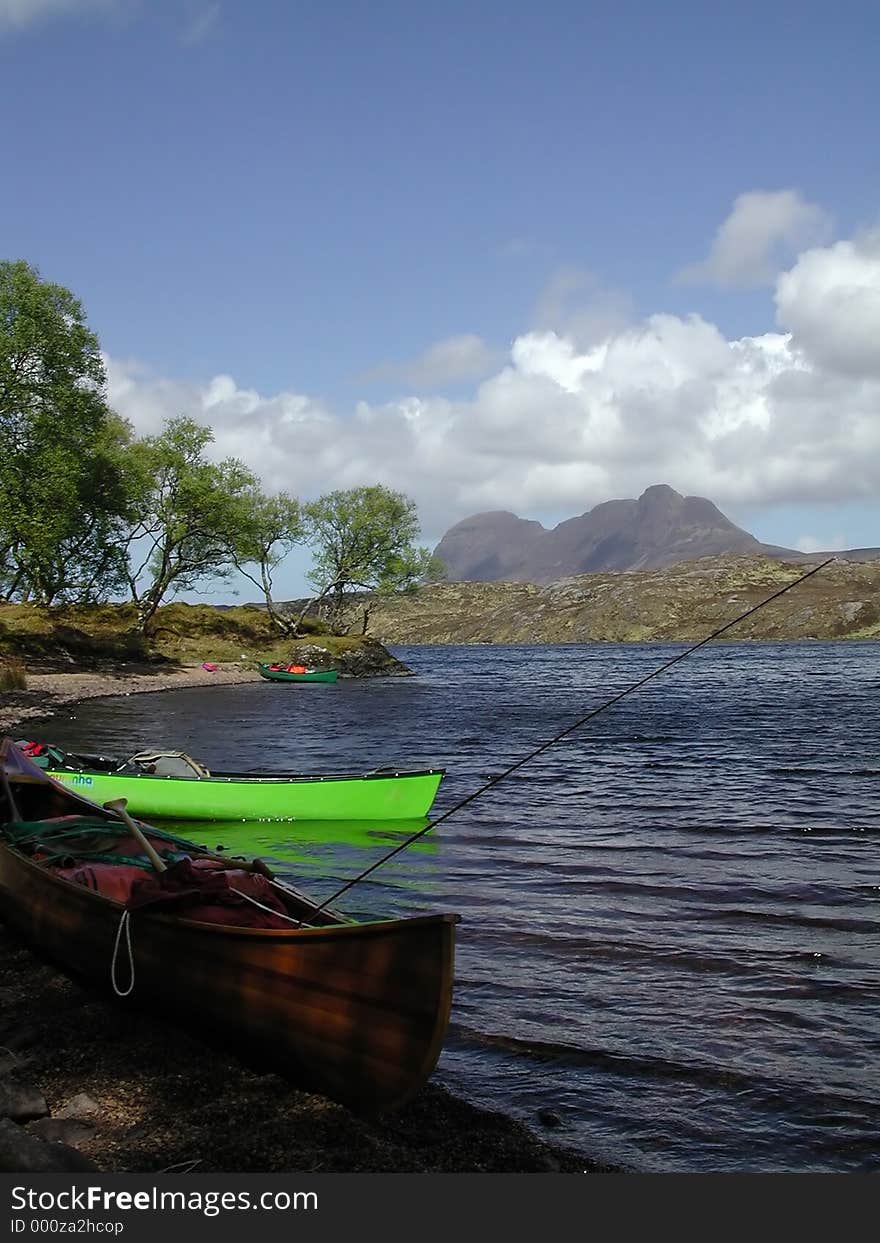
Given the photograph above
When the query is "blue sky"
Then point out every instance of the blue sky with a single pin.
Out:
(392, 230)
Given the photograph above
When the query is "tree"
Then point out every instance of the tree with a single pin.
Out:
(364, 541)
(78, 553)
(270, 527)
(63, 487)
(192, 514)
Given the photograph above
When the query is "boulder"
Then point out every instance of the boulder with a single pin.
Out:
(21, 1101)
(23, 1153)
(68, 1131)
(79, 1107)
(11, 1062)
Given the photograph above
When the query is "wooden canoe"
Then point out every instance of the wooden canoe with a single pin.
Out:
(283, 675)
(357, 1012)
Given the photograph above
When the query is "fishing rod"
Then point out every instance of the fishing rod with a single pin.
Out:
(493, 781)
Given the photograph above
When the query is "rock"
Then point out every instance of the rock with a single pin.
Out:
(22, 1153)
(68, 1131)
(21, 1038)
(364, 658)
(11, 1062)
(547, 1117)
(312, 655)
(659, 529)
(370, 660)
(79, 1107)
(20, 1101)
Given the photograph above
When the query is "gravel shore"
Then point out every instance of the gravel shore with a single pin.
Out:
(49, 691)
(131, 1093)
(134, 1094)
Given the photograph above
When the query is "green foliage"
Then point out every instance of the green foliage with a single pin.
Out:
(312, 626)
(63, 491)
(192, 514)
(268, 529)
(364, 541)
(88, 512)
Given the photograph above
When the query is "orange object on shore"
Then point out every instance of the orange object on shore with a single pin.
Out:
(297, 669)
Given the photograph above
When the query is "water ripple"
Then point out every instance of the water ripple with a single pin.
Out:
(671, 930)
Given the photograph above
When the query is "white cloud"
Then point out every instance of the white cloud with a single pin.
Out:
(830, 301)
(456, 359)
(774, 418)
(763, 229)
(16, 14)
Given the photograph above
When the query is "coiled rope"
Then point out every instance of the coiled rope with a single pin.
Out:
(124, 929)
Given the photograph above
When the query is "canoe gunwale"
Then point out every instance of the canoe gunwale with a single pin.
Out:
(262, 779)
(380, 927)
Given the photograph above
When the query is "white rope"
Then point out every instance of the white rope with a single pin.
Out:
(124, 923)
(247, 897)
(125, 926)
(299, 897)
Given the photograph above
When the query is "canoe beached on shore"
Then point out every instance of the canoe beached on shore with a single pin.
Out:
(282, 673)
(171, 785)
(357, 1012)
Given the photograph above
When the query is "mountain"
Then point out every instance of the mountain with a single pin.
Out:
(679, 603)
(661, 528)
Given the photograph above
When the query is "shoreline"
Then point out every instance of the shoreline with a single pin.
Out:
(129, 1092)
(132, 1093)
(49, 691)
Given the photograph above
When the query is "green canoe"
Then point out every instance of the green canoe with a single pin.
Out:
(283, 675)
(170, 785)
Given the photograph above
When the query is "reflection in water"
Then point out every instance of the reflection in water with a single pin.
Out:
(315, 853)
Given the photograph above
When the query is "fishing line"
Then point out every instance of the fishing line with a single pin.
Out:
(493, 781)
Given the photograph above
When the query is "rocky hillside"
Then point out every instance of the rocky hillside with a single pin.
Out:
(683, 602)
(661, 528)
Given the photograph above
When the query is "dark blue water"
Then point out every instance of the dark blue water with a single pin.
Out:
(671, 929)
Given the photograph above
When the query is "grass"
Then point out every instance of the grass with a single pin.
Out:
(182, 633)
(13, 676)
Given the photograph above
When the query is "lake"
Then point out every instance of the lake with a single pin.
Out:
(670, 931)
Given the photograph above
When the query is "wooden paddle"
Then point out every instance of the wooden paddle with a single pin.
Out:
(256, 865)
(241, 865)
(118, 805)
